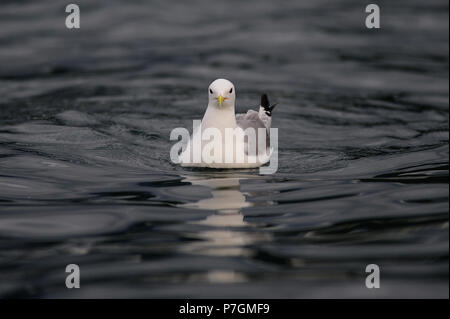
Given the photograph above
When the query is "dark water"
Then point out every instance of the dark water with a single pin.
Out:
(85, 175)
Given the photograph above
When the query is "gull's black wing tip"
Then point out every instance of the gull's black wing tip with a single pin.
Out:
(266, 105)
(264, 101)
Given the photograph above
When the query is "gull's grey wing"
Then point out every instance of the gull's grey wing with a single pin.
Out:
(252, 120)
(257, 120)
(264, 115)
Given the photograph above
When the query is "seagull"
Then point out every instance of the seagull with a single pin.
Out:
(220, 116)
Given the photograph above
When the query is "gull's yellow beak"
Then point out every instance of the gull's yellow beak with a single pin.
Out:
(220, 99)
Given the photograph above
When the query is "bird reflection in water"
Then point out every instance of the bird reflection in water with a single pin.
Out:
(224, 232)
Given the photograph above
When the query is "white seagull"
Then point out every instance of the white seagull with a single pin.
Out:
(220, 115)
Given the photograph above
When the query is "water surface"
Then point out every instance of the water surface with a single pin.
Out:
(85, 175)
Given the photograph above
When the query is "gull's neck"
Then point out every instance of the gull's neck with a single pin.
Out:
(220, 118)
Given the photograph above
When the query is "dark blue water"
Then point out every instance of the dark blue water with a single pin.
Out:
(85, 174)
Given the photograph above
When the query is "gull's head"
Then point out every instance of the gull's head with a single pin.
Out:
(221, 93)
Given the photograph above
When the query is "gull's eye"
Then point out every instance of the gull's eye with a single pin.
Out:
(231, 90)
(210, 91)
